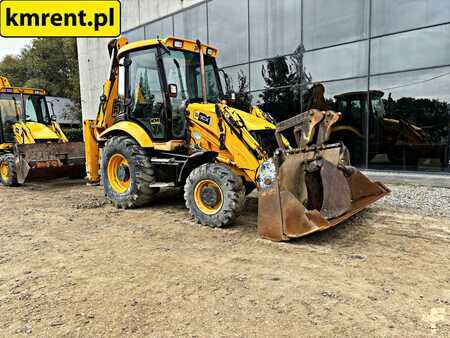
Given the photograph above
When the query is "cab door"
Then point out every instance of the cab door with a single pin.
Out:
(147, 99)
(10, 113)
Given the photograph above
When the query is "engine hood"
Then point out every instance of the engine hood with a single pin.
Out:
(251, 121)
(41, 131)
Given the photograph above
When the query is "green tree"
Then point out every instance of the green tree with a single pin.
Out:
(49, 63)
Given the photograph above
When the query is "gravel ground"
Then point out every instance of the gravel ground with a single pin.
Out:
(429, 201)
(71, 265)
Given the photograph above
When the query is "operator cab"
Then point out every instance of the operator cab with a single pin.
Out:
(158, 79)
(26, 105)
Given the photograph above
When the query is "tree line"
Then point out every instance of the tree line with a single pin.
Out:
(48, 63)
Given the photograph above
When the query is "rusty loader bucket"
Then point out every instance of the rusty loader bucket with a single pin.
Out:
(313, 187)
(49, 160)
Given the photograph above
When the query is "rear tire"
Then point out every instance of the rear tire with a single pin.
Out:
(127, 173)
(214, 195)
(8, 173)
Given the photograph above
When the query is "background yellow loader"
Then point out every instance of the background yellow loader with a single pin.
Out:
(32, 143)
(162, 123)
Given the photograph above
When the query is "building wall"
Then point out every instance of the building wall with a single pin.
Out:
(393, 54)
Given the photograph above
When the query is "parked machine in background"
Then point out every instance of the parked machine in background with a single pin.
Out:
(162, 122)
(32, 143)
(402, 141)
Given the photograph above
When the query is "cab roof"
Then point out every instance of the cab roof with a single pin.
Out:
(170, 42)
(5, 87)
(360, 93)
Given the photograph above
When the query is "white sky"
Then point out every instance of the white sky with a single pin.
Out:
(12, 45)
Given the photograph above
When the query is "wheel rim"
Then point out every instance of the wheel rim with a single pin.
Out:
(208, 197)
(4, 170)
(119, 173)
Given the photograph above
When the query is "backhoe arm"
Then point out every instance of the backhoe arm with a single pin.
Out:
(105, 115)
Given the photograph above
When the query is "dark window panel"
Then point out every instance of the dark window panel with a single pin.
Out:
(257, 81)
(282, 71)
(349, 97)
(161, 28)
(331, 22)
(191, 24)
(336, 88)
(415, 49)
(238, 78)
(280, 103)
(228, 30)
(350, 60)
(393, 16)
(409, 127)
(275, 27)
(135, 34)
(279, 81)
(146, 95)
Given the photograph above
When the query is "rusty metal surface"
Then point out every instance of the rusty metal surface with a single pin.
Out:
(47, 160)
(304, 127)
(291, 176)
(270, 222)
(337, 197)
(309, 190)
(63, 152)
(22, 169)
(329, 120)
(361, 186)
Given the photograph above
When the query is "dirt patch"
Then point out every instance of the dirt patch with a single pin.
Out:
(72, 265)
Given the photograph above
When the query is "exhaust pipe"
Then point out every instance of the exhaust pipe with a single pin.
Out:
(202, 71)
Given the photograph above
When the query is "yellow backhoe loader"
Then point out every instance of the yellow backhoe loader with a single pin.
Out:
(32, 144)
(162, 123)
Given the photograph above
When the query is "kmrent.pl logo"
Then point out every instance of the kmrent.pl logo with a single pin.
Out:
(48, 18)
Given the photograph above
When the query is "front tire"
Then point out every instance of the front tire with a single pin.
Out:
(8, 173)
(214, 195)
(127, 173)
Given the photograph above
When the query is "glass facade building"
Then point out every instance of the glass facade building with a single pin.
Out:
(384, 64)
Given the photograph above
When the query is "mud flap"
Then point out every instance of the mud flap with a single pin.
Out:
(49, 160)
(302, 193)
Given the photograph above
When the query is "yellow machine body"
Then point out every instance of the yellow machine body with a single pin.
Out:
(224, 150)
(32, 144)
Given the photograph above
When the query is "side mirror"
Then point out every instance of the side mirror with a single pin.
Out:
(53, 117)
(173, 90)
(233, 96)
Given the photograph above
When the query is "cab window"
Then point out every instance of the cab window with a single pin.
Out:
(183, 69)
(10, 113)
(36, 109)
(144, 90)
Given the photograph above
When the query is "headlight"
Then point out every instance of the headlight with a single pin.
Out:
(267, 175)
